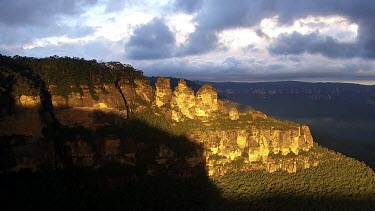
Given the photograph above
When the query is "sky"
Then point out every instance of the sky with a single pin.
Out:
(208, 40)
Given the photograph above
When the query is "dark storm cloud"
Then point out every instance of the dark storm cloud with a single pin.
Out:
(22, 35)
(214, 16)
(153, 40)
(199, 42)
(217, 15)
(190, 6)
(313, 43)
(22, 12)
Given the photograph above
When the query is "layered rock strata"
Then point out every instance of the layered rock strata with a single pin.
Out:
(240, 142)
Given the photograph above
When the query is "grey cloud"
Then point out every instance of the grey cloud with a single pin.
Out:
(14, 35)
(269, 71)
(153, 40)
(231, 61)
(24, 12)
(23, 21)
(199, 42)
(274, 67)
(78, 30)
(20, 36)
(100, 49)
(214, 16)
(313, 43)
(217, 15)
(190, 6)
(261, 34)
(238, 63)
(234, 68)
(104, 49)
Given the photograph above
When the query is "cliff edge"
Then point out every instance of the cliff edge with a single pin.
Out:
(232, 141)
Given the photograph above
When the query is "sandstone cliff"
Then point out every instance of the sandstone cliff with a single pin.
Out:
(232, 141)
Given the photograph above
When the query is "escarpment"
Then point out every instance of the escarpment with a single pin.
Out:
(113, 114)
(232, 141)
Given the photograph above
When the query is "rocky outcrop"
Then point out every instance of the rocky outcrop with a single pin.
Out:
(29, 102)
(163, 93)
(144, 90)
(233, 114)
(206, 102)
(183, 102)
(257, 114)
(84, 108)
(104, 96)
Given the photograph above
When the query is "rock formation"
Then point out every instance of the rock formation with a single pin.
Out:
(106, 95)
(183, 102)
(231, 141)
(257, 114)
(253, 144)
(233, 114)
(163, 92)
(29, 102)
(144, 89)
(206, 102)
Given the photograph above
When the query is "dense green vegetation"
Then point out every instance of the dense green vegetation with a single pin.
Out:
(344, 183)
(23, 75)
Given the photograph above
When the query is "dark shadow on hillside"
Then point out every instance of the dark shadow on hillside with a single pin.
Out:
(133, 165)
(128, 165)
